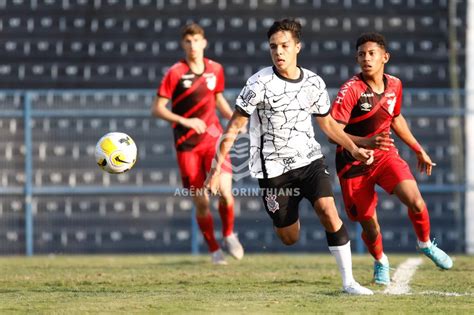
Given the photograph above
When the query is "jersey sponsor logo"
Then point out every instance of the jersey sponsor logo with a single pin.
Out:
(312, 153)
(343, 91)
(247, 96)
(366, 107)
(367, 95)
(211, 81)
(272, 204)
(187, 76)
(289, 160)
(391, 105)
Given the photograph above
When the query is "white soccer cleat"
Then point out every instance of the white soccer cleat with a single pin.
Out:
(356, 289)
(218, 257)
(233, 246)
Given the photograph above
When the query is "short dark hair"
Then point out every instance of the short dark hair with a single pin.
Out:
(377, 38)
(192, 29)
(290, 25)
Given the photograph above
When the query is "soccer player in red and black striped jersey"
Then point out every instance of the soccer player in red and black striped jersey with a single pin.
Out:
(369, 106)
(195, 85)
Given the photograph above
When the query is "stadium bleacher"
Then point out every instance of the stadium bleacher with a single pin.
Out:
(96, 44)
(109, 44)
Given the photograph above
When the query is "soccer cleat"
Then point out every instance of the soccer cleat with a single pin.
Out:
(356, 289)
(381, 273)
(218, 257)
(438, 256)
(233, 246)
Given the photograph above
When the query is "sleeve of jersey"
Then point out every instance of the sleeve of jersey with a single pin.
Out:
(398, 104)
(166, 87)
(220, 80)
(343, 105)
(249, 98)
(321, 103)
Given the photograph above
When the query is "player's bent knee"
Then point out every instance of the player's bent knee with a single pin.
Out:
(288, 235)
(289, 239)
(417, 205)
(325, 207)
(370, 233)
(226, 199)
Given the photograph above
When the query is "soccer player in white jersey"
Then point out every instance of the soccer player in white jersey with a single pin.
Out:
(285, 156)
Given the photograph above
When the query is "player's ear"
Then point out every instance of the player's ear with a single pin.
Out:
(205, 43)
(386, 57)
(298, 47)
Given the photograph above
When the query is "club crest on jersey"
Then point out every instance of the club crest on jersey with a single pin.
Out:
(366, 107)
(272, 204)
(211, 81)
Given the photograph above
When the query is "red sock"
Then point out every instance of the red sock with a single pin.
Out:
(227, 216)
(421, 224)
(206, 225)
(375, 247)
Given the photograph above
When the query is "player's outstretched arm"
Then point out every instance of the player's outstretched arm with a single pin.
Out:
(400, 126)
(225, 143)
(160, 110)
(334, 131)
(382, 141)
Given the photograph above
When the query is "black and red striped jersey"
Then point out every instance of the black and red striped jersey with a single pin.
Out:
(193, 95)
(364, 113)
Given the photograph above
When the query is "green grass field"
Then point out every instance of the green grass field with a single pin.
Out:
(284, 284)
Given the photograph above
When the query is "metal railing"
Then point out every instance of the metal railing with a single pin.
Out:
(29, 110)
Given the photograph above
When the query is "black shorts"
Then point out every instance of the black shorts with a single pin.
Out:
(282, 194)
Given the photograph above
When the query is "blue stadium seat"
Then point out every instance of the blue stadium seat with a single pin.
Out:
(237, 5)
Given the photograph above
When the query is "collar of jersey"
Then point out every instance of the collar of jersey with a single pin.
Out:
(286, 79)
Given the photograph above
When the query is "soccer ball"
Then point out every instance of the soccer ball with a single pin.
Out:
(116, 152)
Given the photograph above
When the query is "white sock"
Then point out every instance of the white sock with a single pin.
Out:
(383, 260)
(424, 244)
(344, 262)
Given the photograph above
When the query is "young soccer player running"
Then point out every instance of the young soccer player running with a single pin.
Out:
(369, 105)
(195, 85)
(285, 156)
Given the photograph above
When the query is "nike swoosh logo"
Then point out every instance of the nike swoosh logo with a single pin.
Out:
(277, 100)
(120, 160)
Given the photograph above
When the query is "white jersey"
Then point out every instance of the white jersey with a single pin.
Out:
(280, 110)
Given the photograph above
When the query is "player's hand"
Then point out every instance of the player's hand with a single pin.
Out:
(380, 141)
(194, 123)
(363, 155)
(211, 185)
(424, 162)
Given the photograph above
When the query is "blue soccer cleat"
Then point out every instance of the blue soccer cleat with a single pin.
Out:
(438, 256)
(381, 273)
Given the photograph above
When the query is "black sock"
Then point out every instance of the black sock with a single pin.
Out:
(337, 238)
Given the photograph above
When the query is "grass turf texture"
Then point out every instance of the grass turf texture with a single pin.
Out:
(285, 284)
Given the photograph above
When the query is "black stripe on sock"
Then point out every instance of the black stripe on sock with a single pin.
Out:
(337, 238)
